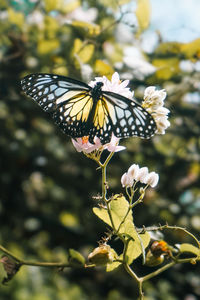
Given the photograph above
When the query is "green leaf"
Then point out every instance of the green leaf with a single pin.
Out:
(113, 265)
(135, 247)
(123, 221)
(189, 248)
(75, 257)
(118, 207)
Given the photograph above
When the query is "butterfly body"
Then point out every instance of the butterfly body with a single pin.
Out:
(80, 110)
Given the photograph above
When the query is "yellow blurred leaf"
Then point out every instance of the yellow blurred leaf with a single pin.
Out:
(122, 2)
(191, 49)
(188, 50)
(45, 47)
(82, 50)
(166, 67)
(70, 5)
(88, 28)
(16, 18)
(103, 68)
(51, 27)
(76, 257)
(53, 5)
(62, 70)
(60, 66)
(113, 4)
(168, 48)
(143, 14)
(189, 248)
(68, 219)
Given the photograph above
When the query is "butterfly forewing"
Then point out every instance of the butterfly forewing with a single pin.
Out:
(46, 89)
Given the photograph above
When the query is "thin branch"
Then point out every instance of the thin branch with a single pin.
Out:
(38, 264)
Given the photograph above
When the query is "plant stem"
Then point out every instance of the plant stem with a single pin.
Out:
(5, 251)
(165, 267)
(36, 264)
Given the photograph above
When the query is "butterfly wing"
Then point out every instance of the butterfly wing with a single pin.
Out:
(67, 100)
(123, 117)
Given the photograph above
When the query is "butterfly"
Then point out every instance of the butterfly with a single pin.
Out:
(80, 110)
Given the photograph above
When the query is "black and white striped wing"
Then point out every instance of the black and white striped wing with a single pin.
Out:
(122, 116)
(67, 100)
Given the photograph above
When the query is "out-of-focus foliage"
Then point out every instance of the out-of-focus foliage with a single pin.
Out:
(46, 187)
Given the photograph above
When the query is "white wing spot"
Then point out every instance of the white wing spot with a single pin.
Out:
(137, 121)
(122, 122)
(51, 96)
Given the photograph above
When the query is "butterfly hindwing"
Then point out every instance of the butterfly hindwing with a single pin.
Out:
(72, 116)
(124, 117)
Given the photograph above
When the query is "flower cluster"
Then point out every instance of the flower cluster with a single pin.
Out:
(135, 174)
(83, 145)
(153, 103)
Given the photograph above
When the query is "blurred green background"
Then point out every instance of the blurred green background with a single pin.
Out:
(46, 187)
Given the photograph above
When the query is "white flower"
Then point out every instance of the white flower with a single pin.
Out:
(186, 66)
(162, 124)
(154, 99)
(112, 146)
(135, 174)
(151, 179)
(85, 15)
(142, 173)
(133, 170)
(153, 103)
(126, 180)
(36, 18)
(86, 71)
(82, 144)
(115, 85)
(137, 64)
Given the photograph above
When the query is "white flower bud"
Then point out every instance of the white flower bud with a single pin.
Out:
(133, 171)
(151, 179)
(161, 111)
(149, 92)
(142, 173)
(162, 124)
(126, 180)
